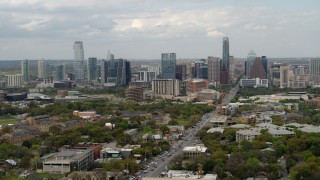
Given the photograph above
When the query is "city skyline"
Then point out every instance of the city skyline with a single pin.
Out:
(143, 29)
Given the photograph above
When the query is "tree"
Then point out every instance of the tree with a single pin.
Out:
(164, 129)
(27, 144)
(173, 122)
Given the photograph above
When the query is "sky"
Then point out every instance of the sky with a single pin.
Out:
(143, 29)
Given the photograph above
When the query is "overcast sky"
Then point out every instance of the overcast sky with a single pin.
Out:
(143, 29)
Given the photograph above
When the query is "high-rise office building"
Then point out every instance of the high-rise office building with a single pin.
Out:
(117, 71)
(92, 70)
(315, 70)
(225, 53)
(146, 76)
(264, 61)
(214, 71)
(25, 70)
(59, 72)
(43, 69)
(162, 87)
(79, 60)
(250, 59)
(14, 81)
(168, 66)
(257, 69)
(110, 56)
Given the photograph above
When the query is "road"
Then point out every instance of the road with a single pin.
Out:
(189, 139)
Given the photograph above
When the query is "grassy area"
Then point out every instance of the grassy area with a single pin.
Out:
(182, 122)
(46, 175)
(7, 120)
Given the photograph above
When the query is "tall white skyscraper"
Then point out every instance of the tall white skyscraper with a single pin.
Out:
(43, 69)
(315, 70)
(79, 60)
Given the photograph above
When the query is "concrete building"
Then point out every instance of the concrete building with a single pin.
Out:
(208, 95)
(168, 65)
(67, 161)
(315, 70)
(284, 76)
(25, 70)
(169, 87)
(14, 81)
(279, 74)
(134, 93)
(43, 69)
(194, 150)
(255, 82)
(79, 60)
(214, 71)
(248, 134)
(85, 114)
(92, 69)
(146, 76)
(196, 85)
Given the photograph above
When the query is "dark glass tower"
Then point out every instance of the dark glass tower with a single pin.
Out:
(225, 53)
(168, 65)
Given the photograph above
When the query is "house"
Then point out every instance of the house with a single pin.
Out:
(17, 137)
(133, 133)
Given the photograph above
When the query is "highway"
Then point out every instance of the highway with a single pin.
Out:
(162, 161)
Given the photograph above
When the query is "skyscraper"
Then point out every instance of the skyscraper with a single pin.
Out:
(59, 73)
(116, 71)
(264, 61)
(25, 70)
(43, 69)
(79, 60)
(214, 71)
(315, 70)
(225, 53)
(168, 65)
(250, 59)
(92, 69)
(257, 69)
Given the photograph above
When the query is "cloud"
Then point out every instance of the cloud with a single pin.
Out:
(152, 21)
(215, 34)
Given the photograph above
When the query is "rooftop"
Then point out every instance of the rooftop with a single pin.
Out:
(196, 148)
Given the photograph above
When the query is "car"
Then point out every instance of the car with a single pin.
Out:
(145, 171)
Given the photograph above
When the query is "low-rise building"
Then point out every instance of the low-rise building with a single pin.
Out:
(218, 121)
(133, 133)
(67, 161)
(256, 82)
(208, 95)
(196, 85)
(85, 114)
(115, 153)
(248, 134)
(194, 150)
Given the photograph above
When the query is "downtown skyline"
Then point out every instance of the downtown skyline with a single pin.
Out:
(143, 29)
